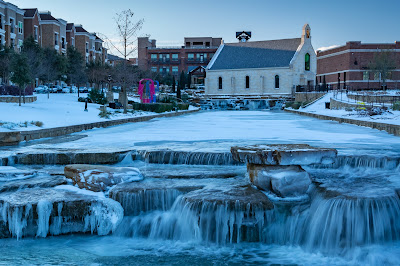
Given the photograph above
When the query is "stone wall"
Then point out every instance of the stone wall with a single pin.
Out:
(389, 128)
(374, 98)
(15, 99)
(308, 96)
(337, 105)
(14, 137)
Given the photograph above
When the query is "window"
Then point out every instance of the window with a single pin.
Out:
(220, 83)
(12, 25)
(247, 82)
(153, 57)
(154, 69)
(307, 62)
(276, 82)
(20, 27)
(365, 75)
(200, 57)
(190, 57)
(20, 42)
(377, 76)
(175, 70)
(12, 43)
(87, 47)
(35, 33)
(165, 57)
(62, 42)
(175, 57)
(72, 41)
(56, 38)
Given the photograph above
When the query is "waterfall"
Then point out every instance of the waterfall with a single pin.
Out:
(336, 225)
(387, 163)
(199, 221)
(191, 158)
(135, 203)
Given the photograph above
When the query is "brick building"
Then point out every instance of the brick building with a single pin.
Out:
(32, 25)
(53, 31)
(349, 66)
(196, 52)
(11, 25)
(70, 35)
(82, 39)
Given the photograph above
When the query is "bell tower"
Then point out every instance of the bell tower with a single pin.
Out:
(306, 34)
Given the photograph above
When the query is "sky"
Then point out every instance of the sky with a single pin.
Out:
(169, 21)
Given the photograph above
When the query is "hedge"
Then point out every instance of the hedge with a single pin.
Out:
(14, 90)
(159, 107)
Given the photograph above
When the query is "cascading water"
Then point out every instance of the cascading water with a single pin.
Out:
(191, 158)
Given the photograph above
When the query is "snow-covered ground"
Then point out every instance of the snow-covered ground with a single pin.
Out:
(61, 109)
(391, 117)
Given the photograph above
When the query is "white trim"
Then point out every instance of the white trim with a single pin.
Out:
(82, 34)
(215, 56)
(361, 81)
(50, 22)
(352, 70)
(356, 51)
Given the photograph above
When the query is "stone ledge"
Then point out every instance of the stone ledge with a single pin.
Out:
(389, 128)
(15, 99)
(14, 137)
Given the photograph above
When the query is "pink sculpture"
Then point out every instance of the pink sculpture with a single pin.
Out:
(147, 91)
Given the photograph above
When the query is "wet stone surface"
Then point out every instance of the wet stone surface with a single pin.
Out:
(99, 178)
(283, 154)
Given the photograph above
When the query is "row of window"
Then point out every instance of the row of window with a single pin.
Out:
(247, 81)
(377, 76)
(175, 57)
(165, 70)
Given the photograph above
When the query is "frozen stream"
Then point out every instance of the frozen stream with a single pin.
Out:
(352, 215)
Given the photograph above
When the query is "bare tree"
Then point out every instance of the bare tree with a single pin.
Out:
(383, 64)
(125, 46)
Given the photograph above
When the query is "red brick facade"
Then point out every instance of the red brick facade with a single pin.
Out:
(173, 60)
(351, 65)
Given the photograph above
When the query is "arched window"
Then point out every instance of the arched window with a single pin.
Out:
(220, 83)
(307, 62)
(276, 82)
(247, 82)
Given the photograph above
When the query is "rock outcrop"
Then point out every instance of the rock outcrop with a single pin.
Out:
(99, 178)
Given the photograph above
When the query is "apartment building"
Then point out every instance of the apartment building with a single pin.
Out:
(349, 66)
(51, 29)
(11, 25)
(70, 35)
(82, 41)
(197, 51)
(32, 25)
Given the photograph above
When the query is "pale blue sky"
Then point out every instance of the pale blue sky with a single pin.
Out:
(169, 21)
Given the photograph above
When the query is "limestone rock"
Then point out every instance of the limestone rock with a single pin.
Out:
(289, 182)
(239, 198)
(283, 154)
(98, 178)
(54, 211)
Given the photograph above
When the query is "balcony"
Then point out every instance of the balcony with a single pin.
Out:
(164, 62)
(197, 61)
